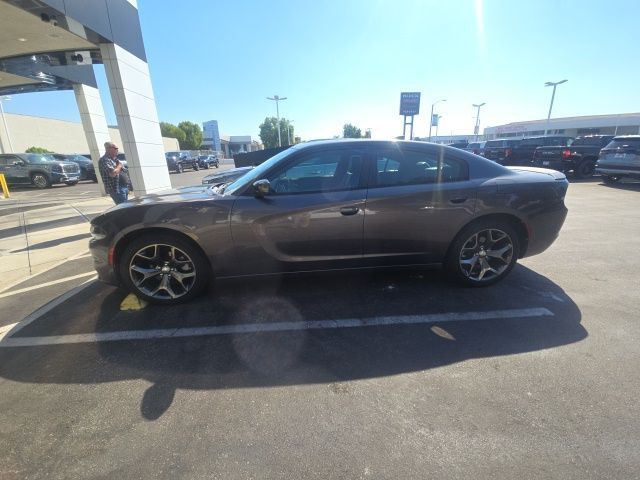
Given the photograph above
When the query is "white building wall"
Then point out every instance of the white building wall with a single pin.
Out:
(59, 136)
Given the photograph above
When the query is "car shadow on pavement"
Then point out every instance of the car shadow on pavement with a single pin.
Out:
(632, 186)
(263, 358)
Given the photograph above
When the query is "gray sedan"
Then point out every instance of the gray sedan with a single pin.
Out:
(336, 204)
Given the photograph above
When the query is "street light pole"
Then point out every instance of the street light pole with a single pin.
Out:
(431, 117)
(553, 95)
(277, 99)
(477, 127)
(6, 129)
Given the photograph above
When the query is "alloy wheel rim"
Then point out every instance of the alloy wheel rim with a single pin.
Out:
(162, 271)
(40, 181)
(486, 255)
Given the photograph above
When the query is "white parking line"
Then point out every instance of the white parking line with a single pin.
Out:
(10, 341)
(46, 284)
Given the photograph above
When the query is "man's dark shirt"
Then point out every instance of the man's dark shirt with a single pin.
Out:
(106, 165)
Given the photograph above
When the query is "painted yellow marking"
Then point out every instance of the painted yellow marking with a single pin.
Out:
(131, 302)
(5, 187)
(441, 332)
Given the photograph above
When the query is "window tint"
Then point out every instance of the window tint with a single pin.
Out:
(321, 171)
(398, 167)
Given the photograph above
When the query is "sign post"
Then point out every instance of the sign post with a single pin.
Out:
(3, 184)
(409, 107)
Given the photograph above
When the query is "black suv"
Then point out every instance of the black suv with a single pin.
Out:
(38, 169)
(523, 153)
(500, 149)
(87, 170)
(178, 161)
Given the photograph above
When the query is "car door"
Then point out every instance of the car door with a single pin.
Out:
(418, 199)
(15, 170)
(311, 219)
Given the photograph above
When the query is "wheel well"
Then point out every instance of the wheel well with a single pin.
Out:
(122, 243)
(517, 224)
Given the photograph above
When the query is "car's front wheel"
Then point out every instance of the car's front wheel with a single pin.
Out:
(483, 253)
(164, 269)
(40, 180)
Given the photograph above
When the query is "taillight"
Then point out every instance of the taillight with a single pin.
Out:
(508, 152)
(566, 153)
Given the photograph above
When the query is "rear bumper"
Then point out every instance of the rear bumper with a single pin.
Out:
(618, 172)
(544, 228)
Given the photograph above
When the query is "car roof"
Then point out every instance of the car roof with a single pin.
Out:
(627, 137)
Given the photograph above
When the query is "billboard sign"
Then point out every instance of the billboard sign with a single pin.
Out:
(409, 103)
(434, 120)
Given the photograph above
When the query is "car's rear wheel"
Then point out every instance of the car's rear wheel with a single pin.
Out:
(164, 269)
(585, 169)
(483, 253)
(40, 180)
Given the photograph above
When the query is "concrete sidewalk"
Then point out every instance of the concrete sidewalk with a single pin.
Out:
(35, 237)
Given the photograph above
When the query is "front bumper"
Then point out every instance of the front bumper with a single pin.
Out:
(57, 177)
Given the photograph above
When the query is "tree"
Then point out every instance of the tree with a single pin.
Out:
(193, 135)
(350, 131)
(269, 132)
(171, 131)
(37, 150)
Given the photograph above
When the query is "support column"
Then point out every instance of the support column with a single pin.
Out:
(94, 123)
(135, 107)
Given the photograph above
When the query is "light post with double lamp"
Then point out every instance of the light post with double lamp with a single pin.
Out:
(554, 85)
(431, 117)
(277, 99)
(6, 129)
(477, 127)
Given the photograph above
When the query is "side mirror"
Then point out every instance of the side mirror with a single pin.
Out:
(262, 187)
(18, 163)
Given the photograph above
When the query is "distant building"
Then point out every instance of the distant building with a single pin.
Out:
(235, 144)
(621, 124)
(211, 136)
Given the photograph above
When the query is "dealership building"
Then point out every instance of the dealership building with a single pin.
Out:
(618, 124)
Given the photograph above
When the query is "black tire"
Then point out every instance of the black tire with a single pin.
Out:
(71, 184)
(609, 179)
(151, 252)
(206, 166)
(40, 180)
(585, 169)
(463, 247)
(179, 168)
(217, 165)
(196, 167)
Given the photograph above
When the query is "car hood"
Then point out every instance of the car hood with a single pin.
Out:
(183, 194)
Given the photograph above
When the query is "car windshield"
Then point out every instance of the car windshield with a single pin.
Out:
(40, 158)
(256, 173)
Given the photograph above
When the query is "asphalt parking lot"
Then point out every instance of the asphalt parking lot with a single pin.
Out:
(387, 374)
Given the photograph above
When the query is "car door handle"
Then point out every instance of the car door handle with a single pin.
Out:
(349, 210)
(458, 200)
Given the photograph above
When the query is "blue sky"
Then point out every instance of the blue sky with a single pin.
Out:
(347, 61)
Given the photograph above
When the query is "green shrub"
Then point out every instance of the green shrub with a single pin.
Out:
(37, 150)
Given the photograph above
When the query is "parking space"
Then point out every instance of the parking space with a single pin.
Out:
(388, 374)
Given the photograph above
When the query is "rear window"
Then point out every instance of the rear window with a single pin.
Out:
(625, 143)
(590, 141)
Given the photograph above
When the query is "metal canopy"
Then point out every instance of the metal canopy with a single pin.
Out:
(51, 44)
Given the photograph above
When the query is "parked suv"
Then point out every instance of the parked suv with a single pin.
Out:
(522, 154)
(38, 169)
(178, 161)
(208, 161)
(580, 158)
(620, 158)
(87, 170)
(501, 149)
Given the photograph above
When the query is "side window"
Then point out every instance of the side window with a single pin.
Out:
(323, 171)
(399, 168)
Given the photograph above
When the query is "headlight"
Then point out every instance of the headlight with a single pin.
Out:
(97, 232)
(56, 168)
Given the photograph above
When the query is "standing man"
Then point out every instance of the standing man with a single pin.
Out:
(113, 176)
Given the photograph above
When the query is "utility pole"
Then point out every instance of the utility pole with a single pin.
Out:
(431, 117)
(554, 85)
(277, 99)
(477, 127)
